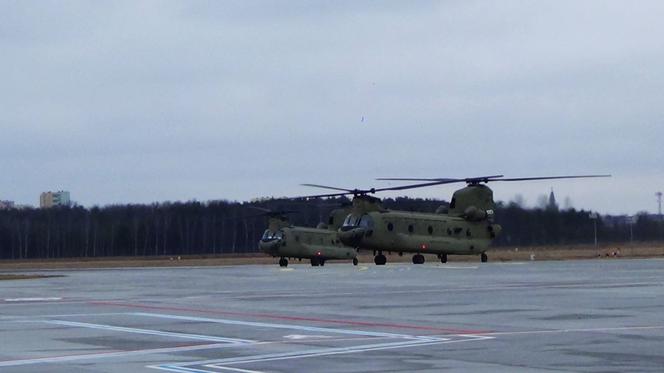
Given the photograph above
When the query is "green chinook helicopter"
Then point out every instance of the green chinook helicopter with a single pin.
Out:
(466, 228)
(283, 240)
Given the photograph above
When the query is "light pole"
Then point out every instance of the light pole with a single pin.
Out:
(594, 217)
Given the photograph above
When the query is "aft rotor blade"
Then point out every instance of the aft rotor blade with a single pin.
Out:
(551, 177)
(440, 181)
(486, 179)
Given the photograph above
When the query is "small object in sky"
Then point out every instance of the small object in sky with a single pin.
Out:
(362, 120)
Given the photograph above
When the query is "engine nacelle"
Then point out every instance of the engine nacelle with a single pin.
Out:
(494, 230)
(472, 213)
(443, 209)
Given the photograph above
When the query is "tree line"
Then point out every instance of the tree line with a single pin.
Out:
(222, 227)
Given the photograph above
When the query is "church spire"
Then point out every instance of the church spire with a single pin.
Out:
(552, 201)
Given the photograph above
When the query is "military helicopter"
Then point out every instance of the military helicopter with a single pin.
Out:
(466, 228)
(282, 239)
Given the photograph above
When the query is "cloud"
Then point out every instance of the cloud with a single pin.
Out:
(143, 101)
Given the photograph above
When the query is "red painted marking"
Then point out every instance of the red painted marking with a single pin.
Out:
(292, 318)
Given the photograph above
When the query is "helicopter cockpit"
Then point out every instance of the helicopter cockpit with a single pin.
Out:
(357, 221)
(268, 235)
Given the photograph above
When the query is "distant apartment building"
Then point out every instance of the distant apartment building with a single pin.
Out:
(54, 199)
(6, 205)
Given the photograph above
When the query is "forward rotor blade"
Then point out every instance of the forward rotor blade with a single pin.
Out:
(321, 195)
(417, 179)
(328, 187)
(413, 186)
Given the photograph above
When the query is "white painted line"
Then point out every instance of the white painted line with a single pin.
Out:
(281, 326)
(47, 299)
(315, 352)
(150, 332)
(220, 364)
(60, 359)
(305, 336)
(442, 266)
(178, 369)
(239, 370)
(580, 330)
(332, 351)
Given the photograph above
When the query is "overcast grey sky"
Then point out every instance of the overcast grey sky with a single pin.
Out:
(142, 101)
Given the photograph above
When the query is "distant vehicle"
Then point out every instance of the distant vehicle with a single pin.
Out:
(466, 228)
(320, 244)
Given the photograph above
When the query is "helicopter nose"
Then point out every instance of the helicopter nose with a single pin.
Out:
(350, 236)
(270, 247)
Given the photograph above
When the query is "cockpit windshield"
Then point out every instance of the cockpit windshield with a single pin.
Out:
(269, 235)
(364, 221)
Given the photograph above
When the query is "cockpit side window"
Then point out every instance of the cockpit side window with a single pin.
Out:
(366, 222)
(351, 221)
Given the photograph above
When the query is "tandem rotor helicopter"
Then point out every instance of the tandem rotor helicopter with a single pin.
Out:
(466, 228)
(284, 240)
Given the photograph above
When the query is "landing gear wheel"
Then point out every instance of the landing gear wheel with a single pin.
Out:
(418, 259)
(380, 260)
(322, 262)
(355, 261)
(283, 262)
(315, 262)
(443, 258)
(484, 258)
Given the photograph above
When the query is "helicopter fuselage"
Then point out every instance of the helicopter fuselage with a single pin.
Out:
(402, 231)
(305, 243)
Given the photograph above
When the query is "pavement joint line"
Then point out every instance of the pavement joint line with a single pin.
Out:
(18, 318)
(243, 295)
(45, 303)
(290, 318)
(279, 326)
(198, 337)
